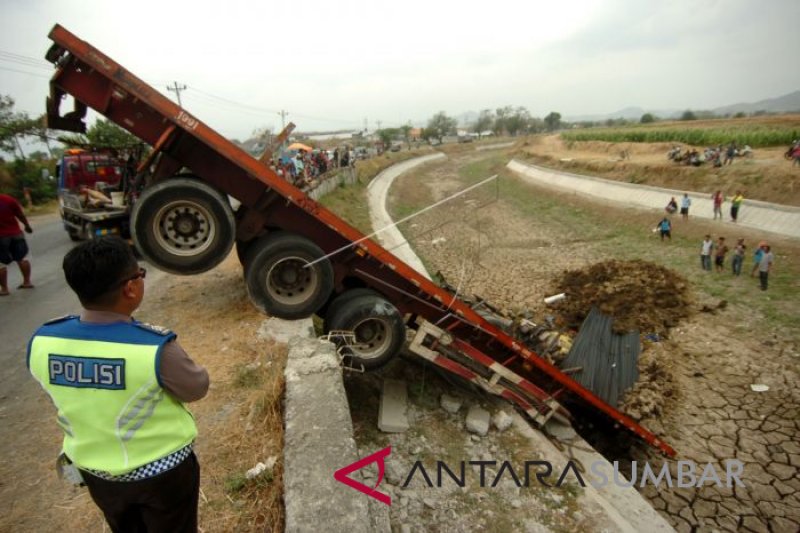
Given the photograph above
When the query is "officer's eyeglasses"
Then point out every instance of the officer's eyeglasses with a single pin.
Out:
(141, 274)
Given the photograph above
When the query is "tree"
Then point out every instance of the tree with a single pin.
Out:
(688, 115)
(103, 134)
(484, 122)
(501, 119)
(647, 118)
(517, 120)
(440, 125)
(13, 126)
(405, 129)
(553, 121)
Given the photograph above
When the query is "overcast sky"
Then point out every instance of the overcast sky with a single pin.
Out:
(334, 64)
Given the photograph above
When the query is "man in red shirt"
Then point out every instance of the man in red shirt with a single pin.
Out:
(12, 242)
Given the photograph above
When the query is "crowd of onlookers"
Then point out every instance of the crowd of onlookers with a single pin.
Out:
(718, 155)
(301, 168)
(762, 258)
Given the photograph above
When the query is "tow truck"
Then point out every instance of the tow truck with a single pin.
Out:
(299, 258)
(89, 182)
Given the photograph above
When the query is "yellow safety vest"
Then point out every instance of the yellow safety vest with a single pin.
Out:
(104, 380)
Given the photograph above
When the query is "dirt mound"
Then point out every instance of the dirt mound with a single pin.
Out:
(639, 295)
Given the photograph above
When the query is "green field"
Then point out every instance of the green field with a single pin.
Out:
(756, 132)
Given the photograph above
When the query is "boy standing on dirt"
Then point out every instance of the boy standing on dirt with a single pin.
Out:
(765, 266)
(719, 258)
(705, 253)
(665, 227)
(738, 257)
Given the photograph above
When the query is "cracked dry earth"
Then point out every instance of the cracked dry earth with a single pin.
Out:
(512, 258)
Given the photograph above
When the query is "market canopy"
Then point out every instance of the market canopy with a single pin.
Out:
(300, 146)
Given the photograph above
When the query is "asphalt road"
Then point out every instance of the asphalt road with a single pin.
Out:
(23, 311)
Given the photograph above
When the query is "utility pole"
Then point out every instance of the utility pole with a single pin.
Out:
(379, 124)
(283, 113)
(177, 90)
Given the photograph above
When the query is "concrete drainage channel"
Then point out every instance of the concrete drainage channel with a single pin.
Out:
(319, 438)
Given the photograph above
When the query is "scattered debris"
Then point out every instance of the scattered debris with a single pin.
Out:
(260, 468)
(502, 420)
(759, 387)
(478, 420)
(450, 404)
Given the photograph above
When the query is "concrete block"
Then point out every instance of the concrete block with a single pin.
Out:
(450, 404)
(392, 416)
(284, 330)
(478, 420)
(502, 420)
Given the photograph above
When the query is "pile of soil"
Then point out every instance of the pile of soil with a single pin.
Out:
(639, 295)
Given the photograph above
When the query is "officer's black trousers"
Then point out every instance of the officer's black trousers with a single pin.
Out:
(163, 503)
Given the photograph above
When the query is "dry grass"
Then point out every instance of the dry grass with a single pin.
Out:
(767, 176)
(241, 420)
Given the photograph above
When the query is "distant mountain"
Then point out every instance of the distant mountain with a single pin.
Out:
(782, 104)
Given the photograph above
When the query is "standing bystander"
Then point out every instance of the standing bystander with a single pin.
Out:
(686, 202)
(119, 387)
(665, 228)
(765, 267)
(719, 257)
(717, 198)
(738, 257)
(705, 253)
(13, 247)
(736, 203)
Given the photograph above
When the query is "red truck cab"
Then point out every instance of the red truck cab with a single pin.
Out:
(79, 169)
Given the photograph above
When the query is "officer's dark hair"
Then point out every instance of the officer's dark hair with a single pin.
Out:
(95, 269)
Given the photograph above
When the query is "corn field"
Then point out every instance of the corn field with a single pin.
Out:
(771, 131)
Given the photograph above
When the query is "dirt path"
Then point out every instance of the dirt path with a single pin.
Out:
(511, 250)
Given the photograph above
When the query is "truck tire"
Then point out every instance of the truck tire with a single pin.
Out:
(183, 226)
(75, 235)
(279, 283)
(378, 327)
(340, 300)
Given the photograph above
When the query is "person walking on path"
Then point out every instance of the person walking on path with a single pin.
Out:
(685, 203)
(719, 257)
(705, 253)
(765, 267)
(13, 246)
(736, 203)
(119, 386)
(738, 257)
(665, 227)
(718, 198)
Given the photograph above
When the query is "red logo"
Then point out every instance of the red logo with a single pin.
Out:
(341, 475)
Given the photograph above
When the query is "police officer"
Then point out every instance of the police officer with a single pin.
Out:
(119, 386)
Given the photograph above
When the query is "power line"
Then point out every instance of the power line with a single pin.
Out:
(36, 75)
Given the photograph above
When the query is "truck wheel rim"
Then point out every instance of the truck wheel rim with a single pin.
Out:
(373, 337)
(290, 282)
(184, 228)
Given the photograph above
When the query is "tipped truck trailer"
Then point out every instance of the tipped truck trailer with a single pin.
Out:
(299, 258)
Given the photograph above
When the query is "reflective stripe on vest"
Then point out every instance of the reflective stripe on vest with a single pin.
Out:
(103, 379)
